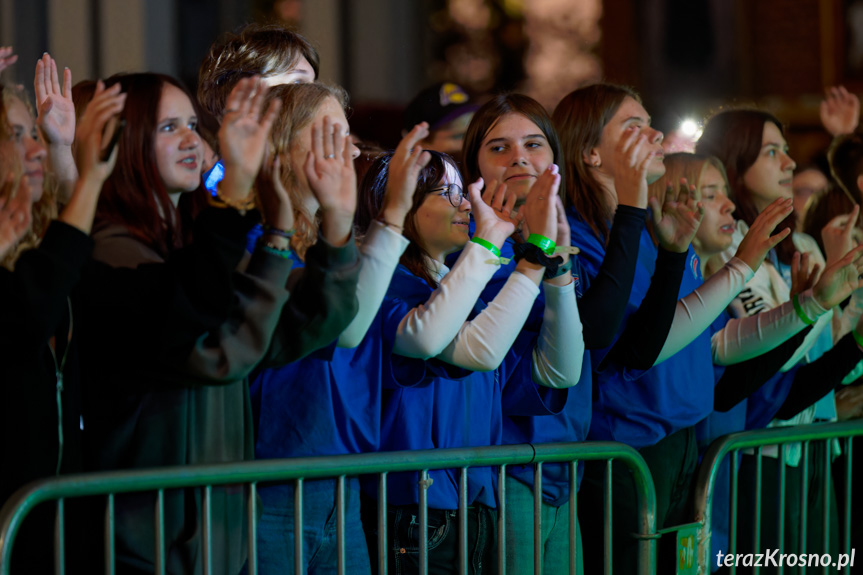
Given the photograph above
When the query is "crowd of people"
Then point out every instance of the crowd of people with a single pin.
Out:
(227, 277)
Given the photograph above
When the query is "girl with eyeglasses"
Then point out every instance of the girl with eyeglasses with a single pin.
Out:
(457, 365)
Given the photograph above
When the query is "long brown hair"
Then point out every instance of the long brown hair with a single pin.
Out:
(735, 136)
(45, 209)
(134, 195)
(300, 103)
(371, 198)
(488, 115)
(580, 118)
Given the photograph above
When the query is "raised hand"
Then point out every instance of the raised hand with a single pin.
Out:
(405, 165)
(492, 211)
(273, 198)
(540, 206)
(15, 213)
(840, 111)
(55, 108)
(243, 135)
(330, 171)
(7, 58)
(803, 278)
(95, 132)
(837, 235)
(676, 219)
(758, 242)
(840, 279)
(630, 177)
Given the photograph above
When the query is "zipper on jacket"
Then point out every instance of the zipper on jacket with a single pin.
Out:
(58, 373)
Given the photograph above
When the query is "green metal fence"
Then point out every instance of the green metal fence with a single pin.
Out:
(251, 473)
(731, 445)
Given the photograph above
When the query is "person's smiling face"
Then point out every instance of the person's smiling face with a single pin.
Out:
(515, 151)
(441, 227)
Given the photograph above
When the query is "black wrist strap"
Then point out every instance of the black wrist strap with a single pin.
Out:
(535, 255)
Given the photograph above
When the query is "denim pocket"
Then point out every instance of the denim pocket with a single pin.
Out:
(406, 526)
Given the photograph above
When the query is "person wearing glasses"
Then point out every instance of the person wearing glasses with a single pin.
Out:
(456, 365)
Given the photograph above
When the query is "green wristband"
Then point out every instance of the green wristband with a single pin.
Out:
(284, 254)
(857, 337)
(800, 313)
(487, 245)
(542, 242)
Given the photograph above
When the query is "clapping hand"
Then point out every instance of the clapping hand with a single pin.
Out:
(243, 136)
(276, 208)
(802, 277)
(758, 242)
(56, 110)
(332, 177)
(840, 111)
(677, 218)
(837, 235)
(840, 279)
(404, 169)
(630, 178)
(492, 211)
(95, 132)
(7, 58)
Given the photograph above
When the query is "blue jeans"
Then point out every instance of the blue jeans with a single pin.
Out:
(320, 548)
(555, 533)
(443, 536)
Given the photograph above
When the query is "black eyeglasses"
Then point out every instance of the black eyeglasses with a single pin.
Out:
(452, 192)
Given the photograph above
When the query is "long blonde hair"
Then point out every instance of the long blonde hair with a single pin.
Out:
(300, 103)
(45, 209)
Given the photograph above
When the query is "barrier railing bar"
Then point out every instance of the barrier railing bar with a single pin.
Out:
(109, 535)
(537, 518)
(424, 522)
(462, 521)
(383, 549)
(160, 532)
(756, 544)
(340, 525)
(60, 538)
(252, 518)
(298, 526)
(208, 530)
(828, 481)
(26, 498)
(607, 547)
(780, 527)
(501, 524)
(849, 448)
(573, 518)
(804, 502)
(732, 493)
(751, 439)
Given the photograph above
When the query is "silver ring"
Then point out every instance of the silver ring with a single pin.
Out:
(329, 156)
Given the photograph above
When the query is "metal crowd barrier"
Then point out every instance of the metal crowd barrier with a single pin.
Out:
(731, 445)
(299, 469)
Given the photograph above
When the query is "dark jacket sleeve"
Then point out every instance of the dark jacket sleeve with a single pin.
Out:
(602, 306)
(641, 342)
(35, 293)
(741, 380)
(815, 380)
(323, 302)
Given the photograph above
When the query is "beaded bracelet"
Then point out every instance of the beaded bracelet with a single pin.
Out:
(218, 201)
(542, 242)
(274, 250)
(287, 234)
(800, 313)
(487, 245)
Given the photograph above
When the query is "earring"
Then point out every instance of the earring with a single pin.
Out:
(596, 163)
